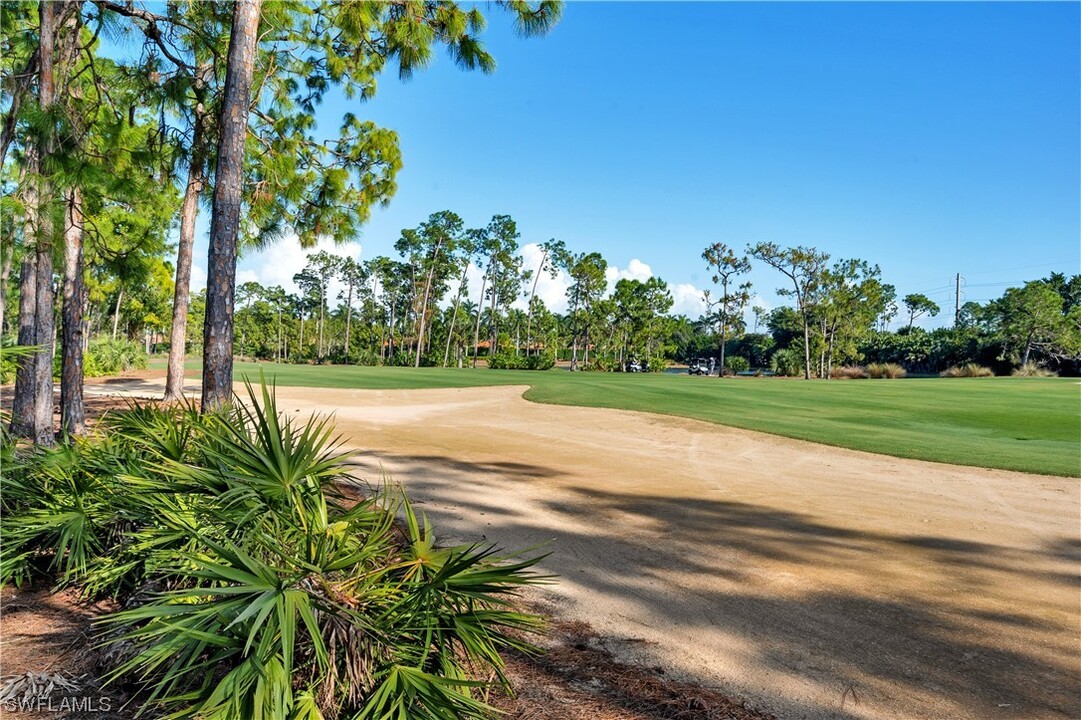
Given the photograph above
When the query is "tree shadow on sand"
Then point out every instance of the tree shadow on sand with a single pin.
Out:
(974, 636)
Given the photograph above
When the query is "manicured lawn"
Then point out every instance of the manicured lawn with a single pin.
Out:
(1027, 424)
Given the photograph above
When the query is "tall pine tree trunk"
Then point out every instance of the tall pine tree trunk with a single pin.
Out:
(806, 347)
(225, 216)
(454, 314)
(8, 251)
(43, 305)
(5, 275)
(178, 338)
(424, 305)
(494, 334)
(348, 319)
(529, 310)
(22, 402)
(480, 312)
(319, 342)
(116, 312)
(72, 412)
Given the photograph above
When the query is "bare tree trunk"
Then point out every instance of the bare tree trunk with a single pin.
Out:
(829, 355)
(43, 305)
(532, 296)
(427, 295)
(574, 331)
(225, 215)
(72, 413)
(806, 349)
(382, 340)
(319, 341)
(454, 314)
(5, 269)
(480, 311)
(348, 319)
(116, 312)
(390, 331)
(494, 336)
(22, 84)
(724, 326)
(22, 402)
(178, 337)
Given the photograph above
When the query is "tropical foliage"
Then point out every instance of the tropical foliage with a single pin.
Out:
(251, 584)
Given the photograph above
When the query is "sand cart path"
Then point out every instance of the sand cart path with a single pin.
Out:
(814, 581)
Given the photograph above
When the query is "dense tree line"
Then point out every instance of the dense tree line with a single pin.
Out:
(107, 160)
(212, 103)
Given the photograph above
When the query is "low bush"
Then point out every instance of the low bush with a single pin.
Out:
(737, 364)
(658, 364)
(849, 372)
(366, 358)
(886, 371)
(408, 359)
(600, 365)
(968, 370)
(103, 357)
(250, 585)
(1033, 370)
(788, 361)
(106, 356)
(510, 361)
(9, 359)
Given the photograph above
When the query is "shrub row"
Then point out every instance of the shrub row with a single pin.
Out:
(510, 361)
(103, 356)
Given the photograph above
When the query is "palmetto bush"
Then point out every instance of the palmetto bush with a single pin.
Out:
(250, 586)
(106, 356)
(787, 361)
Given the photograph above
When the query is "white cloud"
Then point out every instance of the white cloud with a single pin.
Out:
(551, 290)
(198, 279)
(635, 270)
(280, 262)
(687, 300)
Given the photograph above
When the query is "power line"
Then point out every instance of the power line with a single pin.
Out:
(1012, 268)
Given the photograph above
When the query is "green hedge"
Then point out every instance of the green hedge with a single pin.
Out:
(508, 361)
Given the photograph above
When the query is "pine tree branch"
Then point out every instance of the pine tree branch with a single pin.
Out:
(151, 29)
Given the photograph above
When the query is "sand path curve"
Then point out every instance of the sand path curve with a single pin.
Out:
(813, 581)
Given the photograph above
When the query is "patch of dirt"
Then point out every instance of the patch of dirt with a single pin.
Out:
(50, 635)
(576, 678)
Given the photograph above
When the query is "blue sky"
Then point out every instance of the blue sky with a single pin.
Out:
(929, 138)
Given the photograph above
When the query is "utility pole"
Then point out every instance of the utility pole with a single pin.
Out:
(957, 302)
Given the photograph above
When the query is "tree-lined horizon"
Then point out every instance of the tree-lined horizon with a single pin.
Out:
(227, 92)
(213, 107)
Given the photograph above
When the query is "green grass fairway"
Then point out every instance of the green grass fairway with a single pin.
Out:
(1027, 424)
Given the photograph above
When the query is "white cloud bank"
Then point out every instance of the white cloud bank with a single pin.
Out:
(281, 261)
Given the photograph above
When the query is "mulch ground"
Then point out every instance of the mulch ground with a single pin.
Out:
(46, 636)
(50, 634)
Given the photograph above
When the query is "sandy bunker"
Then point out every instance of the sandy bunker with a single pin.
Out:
(814, 581)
